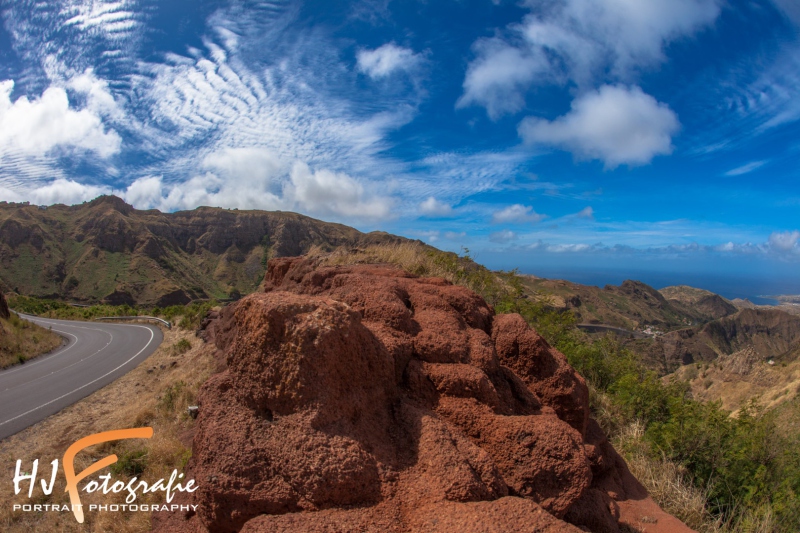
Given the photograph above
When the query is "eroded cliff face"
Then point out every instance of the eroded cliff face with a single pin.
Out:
(365, 399)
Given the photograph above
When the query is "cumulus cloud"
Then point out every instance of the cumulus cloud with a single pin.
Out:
(615, 124)
(335, 193)
(502, 237)
(498, 77)
(786, 241)
(434, 208)
(145, 193)
(97, 94)
(40, 126)
(257, 178)
(586, 212)
(517, 213)
(258, 167)
(386, 60)
(577, 40)
(63, 191)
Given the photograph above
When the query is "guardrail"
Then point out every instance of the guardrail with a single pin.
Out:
(156, 319)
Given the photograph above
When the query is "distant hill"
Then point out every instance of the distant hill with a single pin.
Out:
(632, 305)
(105, 250)
(768, 334)
(753, 353)
(702, 301)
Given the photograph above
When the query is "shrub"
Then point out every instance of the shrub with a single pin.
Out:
(132, 463)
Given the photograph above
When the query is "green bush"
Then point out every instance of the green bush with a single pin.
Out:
(132, 463)
(181, 347)
(748, 469)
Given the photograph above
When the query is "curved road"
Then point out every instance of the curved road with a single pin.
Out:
(95, 355)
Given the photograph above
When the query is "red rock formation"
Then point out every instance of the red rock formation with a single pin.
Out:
(366, 399)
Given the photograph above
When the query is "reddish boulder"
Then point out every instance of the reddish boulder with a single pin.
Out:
(366, 399)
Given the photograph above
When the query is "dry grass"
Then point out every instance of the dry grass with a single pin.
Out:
(154, 394)
(666, 481)
(21, 340)
(422, 260)
(669, 485)
(735, 382)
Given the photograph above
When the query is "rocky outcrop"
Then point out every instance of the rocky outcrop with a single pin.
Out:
(366, 399)
(4, 312)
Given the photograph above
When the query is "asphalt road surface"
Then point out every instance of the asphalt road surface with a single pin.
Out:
(95, 355)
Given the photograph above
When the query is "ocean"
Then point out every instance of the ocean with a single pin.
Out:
(756, 289)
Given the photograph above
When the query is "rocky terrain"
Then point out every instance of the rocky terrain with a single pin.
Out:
(767, 333)
(362, 398)
(703, 302)
(105, 250)
(633, 305)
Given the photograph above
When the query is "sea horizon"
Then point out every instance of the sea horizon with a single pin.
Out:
(758, 290)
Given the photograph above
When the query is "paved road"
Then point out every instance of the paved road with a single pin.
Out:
(95, 355)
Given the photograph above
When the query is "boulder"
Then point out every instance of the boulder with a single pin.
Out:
(363, 398)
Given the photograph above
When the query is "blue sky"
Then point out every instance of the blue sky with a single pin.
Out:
(553, 135)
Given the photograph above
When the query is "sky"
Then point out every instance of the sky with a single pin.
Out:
(592, 140)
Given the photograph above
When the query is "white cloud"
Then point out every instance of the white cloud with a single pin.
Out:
(498, 77)
(790, 8)
(577, 40)
(615, 124)
(98, 96)
(434, 208)
(455, 235)
(786, 241)
(586, 212)
(38, 127)
(8, 195)
(625, 34)
(260, 168)
(255, 178)
(502, 237)
(386, 60)
(335, 193)
(517, 214)
(145, 193)
(109, 16)
(63, 191)
(745, 169)
(430, 235)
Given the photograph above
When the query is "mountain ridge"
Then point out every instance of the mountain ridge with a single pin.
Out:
(106, 250)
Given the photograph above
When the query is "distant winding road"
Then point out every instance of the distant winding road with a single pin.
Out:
(95, 355)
